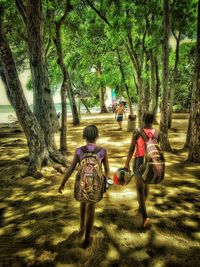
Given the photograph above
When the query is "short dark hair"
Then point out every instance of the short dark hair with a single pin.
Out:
(90, 133)
(148, 117)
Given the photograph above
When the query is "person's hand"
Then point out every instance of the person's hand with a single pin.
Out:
(127, 167)
(61, 188)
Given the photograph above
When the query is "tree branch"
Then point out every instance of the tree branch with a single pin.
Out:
(22, 10)
(99, 13)
(68, 8)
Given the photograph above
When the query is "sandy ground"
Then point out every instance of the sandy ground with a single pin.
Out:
(38, 225)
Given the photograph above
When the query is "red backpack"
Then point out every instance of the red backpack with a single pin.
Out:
(154, 161)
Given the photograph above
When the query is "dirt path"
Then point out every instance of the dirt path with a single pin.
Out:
(38, 225)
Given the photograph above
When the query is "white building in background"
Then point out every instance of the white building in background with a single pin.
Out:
(24, 77)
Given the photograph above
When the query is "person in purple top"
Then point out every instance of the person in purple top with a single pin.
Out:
(87, 209)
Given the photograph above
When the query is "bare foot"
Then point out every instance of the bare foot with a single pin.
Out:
(87, 243)
(147, 223)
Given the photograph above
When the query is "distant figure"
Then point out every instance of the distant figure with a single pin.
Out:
(90, 179)
(119, 114)
(137, 147)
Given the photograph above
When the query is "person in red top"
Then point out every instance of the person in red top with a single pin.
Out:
(137, 147)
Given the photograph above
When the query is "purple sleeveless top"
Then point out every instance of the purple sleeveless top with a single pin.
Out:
(91, 147)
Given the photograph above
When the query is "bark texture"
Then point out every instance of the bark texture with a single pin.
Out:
(194, 152)
(102, 91)
(125, 84)
(137, 64)
(164, 142)
(174, 79)
(32, 129)
(154, 95)
(44, 108)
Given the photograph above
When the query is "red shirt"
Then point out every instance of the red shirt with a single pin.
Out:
(140, 145)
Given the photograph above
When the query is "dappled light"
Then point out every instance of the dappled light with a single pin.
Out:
(39, 226)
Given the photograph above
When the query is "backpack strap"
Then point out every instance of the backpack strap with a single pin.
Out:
(143, 135)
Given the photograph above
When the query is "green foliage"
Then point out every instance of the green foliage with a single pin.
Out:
(90, 40)
(185, 77)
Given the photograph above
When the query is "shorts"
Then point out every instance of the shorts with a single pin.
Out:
(137, 166)
(119, 117)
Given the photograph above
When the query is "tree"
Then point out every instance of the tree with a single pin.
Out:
(164, 142)
(125, 83)
(43, 105)
(194, 152)
(32, 129)
(66, 83)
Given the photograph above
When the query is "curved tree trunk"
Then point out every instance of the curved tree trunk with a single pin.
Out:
(34, 133)
(164, 142)
(174, 79)
(194, 152)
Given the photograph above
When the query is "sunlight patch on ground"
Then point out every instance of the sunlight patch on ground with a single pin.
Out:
(25, 232)
(46, 208)
(124, 194)
(28, 253)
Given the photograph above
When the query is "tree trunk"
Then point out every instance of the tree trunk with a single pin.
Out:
(174, 80)
(88, 110)
(147, 85)
(125, 84)
(63, 133)
(141, 101)
(164, 142)
(43, 108)
(32, 129)
(189, 133)
(194, 152)
(102, 91)
(153, 85)
(157, 87)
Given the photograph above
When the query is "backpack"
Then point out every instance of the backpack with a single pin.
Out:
(154, 161)
(90, 183)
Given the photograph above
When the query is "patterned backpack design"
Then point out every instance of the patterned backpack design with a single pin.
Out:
(90, 181)
(154, 162)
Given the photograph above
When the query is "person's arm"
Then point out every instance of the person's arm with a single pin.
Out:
(130, 151)
(106, 165)
(68, 173)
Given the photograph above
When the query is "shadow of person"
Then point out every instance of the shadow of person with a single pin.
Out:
(69, 251)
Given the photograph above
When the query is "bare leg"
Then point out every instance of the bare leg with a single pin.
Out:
(140, 186)
(83, 206)
(146, 191)
(120, 125)
(89, 224)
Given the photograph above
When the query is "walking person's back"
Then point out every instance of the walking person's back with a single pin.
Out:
(137, 147)
(90, 179)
